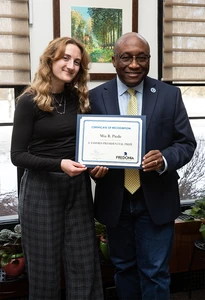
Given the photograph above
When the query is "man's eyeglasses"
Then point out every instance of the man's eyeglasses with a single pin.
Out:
(128, 59)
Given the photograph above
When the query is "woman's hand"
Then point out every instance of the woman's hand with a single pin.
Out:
(72, 168)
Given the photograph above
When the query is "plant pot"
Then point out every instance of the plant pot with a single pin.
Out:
(15, 267)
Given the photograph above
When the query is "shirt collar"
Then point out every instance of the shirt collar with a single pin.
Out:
(122, 88)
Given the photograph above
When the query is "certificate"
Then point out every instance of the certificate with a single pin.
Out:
(110, 140)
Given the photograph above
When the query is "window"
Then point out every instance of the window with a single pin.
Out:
(181, 25)
(8, 174)
(14, 76)
(192, 181)
(183, 41)
(14, 42)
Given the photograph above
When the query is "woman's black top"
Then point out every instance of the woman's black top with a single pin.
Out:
(40, 140)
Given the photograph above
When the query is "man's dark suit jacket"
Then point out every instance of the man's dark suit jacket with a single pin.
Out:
(168, 130)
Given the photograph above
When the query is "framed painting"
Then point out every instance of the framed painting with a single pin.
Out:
(67, 12)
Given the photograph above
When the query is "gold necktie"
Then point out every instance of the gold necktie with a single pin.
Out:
(132, 176)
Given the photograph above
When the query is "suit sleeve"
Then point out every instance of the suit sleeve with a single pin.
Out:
(183, 144)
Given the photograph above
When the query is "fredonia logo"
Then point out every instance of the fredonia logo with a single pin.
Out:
(125, 156)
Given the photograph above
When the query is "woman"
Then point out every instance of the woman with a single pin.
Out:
(55, 200)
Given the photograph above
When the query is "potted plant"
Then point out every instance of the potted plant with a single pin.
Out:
(197, 211)
(11, 253)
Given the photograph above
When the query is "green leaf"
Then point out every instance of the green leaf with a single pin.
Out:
(202, 227)
(197, 210)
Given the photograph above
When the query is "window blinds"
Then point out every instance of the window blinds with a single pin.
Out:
(184, 41)
(14, 43)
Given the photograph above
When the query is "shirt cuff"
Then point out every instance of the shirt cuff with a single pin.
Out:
(165, 166)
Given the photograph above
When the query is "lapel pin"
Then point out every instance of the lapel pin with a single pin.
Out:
(153, 90)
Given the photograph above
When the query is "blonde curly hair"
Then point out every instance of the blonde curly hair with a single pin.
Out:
(42, 83)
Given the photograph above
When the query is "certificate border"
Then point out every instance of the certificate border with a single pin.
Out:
(78, 156)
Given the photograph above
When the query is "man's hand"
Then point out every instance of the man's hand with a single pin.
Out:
(153, 161)
(98, 172)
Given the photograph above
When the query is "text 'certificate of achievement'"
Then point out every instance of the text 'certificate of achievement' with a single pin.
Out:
(110, 140)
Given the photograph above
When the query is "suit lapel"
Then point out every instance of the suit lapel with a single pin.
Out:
(150, 92)
(110, 98)
(149, 99)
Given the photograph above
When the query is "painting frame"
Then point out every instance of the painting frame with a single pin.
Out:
(56, 33)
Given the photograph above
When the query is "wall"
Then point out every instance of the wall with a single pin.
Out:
(147, 26)
(41, 30)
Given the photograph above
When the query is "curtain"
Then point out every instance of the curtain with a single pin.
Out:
(184, 41)
(14, 43)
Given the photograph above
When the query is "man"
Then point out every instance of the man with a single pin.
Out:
(140, 224)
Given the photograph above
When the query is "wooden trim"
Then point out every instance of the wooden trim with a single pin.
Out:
(101, 76)
(56, 18)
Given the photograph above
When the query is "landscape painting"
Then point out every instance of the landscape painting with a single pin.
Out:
(98, 29)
